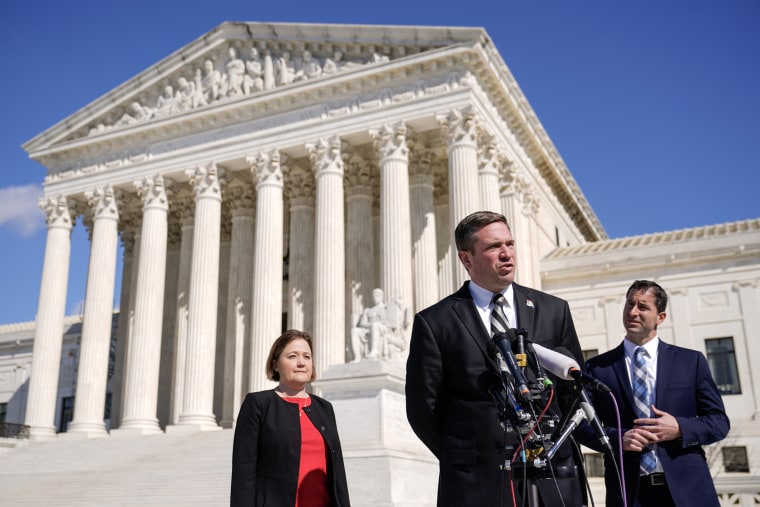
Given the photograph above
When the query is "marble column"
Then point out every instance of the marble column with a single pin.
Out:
(51, 309)
(198, 393)
(184, 208)
(395, 222)
(444, 231)
(528, 260)
(513, 190)
(460, 133)
(301, 250)
(511, 184)
(266, 312)
(488, 175)
(140, 404)
(239, 292)
(329, 255)
(360, 237)
(131, 221)
(423, 228)
(92, 372)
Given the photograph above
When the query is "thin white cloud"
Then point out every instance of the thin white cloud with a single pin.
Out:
(20, 211)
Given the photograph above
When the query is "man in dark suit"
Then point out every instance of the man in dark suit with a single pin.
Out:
(451, 368)
(664, 462)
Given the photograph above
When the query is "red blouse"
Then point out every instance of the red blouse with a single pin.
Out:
(312, 469)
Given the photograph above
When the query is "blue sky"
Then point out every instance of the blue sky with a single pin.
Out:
(653, 105)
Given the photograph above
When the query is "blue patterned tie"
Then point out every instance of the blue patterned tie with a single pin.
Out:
(641, 401)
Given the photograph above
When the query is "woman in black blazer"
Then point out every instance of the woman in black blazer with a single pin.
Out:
(286, 450)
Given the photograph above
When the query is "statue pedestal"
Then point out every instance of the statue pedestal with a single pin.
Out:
(386, 464)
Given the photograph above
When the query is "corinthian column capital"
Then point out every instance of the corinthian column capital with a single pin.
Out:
(391, 142)
(207, 180)
(268, 168)
(460, 127)
(325, 156)
(56, 209)
(154, 191)
(103, 200)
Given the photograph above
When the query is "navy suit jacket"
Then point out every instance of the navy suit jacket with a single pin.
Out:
(449, 372)
(686, 390)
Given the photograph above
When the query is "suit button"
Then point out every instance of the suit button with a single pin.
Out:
(322, 428)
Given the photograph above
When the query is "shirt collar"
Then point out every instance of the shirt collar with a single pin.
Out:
(650, 346)
(482, 297)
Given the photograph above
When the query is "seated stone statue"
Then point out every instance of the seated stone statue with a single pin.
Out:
(379, 332)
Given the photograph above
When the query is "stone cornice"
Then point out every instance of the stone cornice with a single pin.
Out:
(731, 244)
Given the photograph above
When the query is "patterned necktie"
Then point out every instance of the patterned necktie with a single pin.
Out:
(499, 321)
(641, 402)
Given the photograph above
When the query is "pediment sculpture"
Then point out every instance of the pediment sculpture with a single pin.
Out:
(236, 76)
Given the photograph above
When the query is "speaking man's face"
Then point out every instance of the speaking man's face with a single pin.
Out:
(491, 263)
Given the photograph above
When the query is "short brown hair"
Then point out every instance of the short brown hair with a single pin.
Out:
(660, 296)
(279, 345)
(471, 224)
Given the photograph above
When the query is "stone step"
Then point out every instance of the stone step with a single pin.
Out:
(149, 470)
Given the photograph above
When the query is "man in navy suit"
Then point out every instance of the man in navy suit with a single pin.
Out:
(451, 369)
(664, 462)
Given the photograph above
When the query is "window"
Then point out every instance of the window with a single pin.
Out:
(3, 412)
(735, 459)
(67, 412)
(720, 355)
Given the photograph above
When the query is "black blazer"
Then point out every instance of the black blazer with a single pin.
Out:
(267, 448)
(686, 390)
(449, 372)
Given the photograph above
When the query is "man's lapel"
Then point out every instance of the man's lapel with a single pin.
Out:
(464, 309)
(524, 309)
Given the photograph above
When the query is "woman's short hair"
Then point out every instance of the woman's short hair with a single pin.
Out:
(279, 345)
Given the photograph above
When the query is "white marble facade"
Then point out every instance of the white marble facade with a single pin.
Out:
(272, 175)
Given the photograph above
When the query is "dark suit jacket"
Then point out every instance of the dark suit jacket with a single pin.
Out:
(686, 390)
(449, 372)
(267, 449)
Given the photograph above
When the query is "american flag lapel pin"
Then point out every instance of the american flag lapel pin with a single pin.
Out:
(529, 303)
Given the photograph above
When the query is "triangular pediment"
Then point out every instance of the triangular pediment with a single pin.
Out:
(239, 60)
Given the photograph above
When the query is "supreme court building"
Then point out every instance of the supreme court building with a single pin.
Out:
(270, 176)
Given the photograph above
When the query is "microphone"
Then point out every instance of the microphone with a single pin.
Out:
(566, 368)
(594, 421)
(500, 341)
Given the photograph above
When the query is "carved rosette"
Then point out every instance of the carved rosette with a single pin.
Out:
(268, 169)
(56, 209)
(460, 127)
(390, 142)
(325, 156)
(207, 181)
